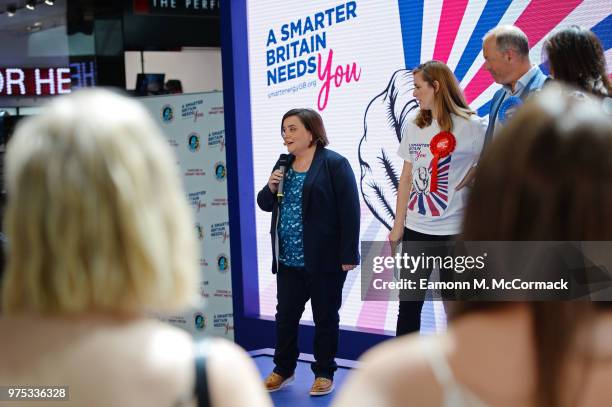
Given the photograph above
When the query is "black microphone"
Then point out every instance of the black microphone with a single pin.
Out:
(283, 162)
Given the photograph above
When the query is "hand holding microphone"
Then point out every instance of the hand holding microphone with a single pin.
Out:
(276, 180)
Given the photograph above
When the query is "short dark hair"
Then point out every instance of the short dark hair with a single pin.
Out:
(312, 121)
(577, 58)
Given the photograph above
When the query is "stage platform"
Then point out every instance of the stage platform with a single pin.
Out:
(296, 393)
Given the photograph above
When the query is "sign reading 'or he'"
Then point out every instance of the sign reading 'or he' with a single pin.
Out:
(34, 81)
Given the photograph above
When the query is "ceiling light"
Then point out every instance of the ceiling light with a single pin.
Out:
(49, 2)
(11, 10)
(31, 4)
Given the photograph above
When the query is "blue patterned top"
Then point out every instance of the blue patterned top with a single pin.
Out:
(290, 228)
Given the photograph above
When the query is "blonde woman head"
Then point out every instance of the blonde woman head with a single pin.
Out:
(96, 219)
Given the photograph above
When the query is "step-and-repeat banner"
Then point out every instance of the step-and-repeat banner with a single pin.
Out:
(193, 125)
(351, 61)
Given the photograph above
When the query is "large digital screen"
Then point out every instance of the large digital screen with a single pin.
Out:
(351, 61)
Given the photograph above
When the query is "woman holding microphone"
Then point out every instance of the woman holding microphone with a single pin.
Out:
(440, 146)
(315, 242)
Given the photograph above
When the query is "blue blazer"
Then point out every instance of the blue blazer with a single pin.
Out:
(330, 214)
(538, 81)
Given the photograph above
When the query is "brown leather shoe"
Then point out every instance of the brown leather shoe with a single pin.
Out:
(275, 382)
(321, 386)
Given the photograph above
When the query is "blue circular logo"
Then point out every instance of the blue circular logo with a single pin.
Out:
(193, 142)
(222, 263)
(199, 320)
(508, 108)
(167, 113)
(220, 171)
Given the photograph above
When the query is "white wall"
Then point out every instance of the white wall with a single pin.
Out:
(199, 69)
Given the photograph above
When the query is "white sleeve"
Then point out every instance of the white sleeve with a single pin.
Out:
(478, 130)
(404, 148)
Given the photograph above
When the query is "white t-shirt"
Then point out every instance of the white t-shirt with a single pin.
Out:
(440, 212)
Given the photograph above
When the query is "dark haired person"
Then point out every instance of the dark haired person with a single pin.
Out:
(544, 354)
(576, 57)
(316, 230)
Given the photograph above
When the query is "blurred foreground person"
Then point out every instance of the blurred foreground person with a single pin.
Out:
(547, 177)
(100, 235)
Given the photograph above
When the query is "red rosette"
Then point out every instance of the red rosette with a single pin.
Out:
(441, 145)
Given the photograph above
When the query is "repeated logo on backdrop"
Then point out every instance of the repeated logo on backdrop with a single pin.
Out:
(224, 322)
(199, 321)
(219, 202)
(167, 113)
(222, 263)
(196, 200)
(194, 172)
(194, 126)
(192, 110)
(219, 230)
(220, 171)
(193, 142)
(217, 138)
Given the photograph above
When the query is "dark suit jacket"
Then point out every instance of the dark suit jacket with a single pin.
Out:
(330, 214)
(539, 79)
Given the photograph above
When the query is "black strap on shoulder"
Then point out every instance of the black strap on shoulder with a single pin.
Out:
(201, 383)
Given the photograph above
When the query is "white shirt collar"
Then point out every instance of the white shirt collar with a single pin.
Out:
(522, 82)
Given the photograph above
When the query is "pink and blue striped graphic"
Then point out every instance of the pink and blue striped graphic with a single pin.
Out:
(456, 39)
(451, 31)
